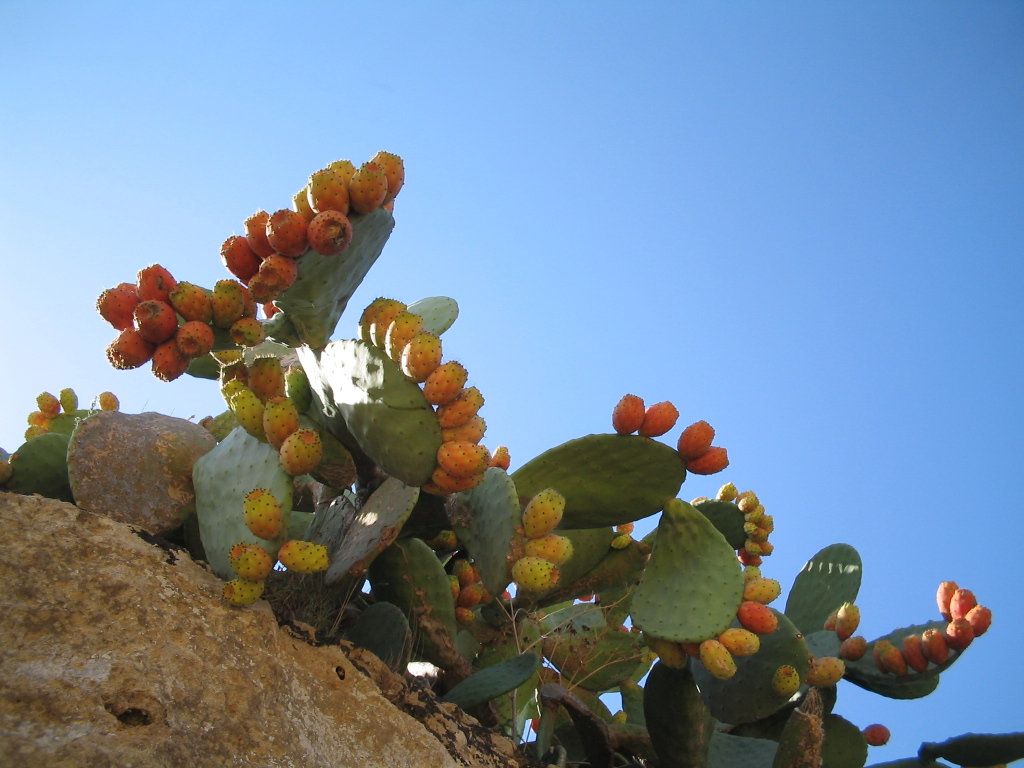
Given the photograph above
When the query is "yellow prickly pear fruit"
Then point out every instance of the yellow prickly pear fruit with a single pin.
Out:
(853, 648)
(48, 404)
(266, 378)
(344, 168)
(242, 592)
(301, 452)
(751, 572)
(249, 411)
(228, 303)
(472, 431)
(534, 574)
(847, 620)
(280, 419)
(445, 383)
(552, 547)
(296, 386)
(621, 541)
(108, 401)
(717, 660)
(461, 409)
(68, 400)
(747, 502)
(303, 556)
(740, 642)
(825, 671)
(727, 492)
(785, 681)
(460, 458)
(404, 328)
(35, 432)
(385, 309)
(231, 388)
(670, 653)
(620, 718)
(543, 513)
(250, 561)
(762, 590)
(421, 356)
(263, 514)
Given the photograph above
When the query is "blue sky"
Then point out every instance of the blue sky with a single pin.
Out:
(802, 222)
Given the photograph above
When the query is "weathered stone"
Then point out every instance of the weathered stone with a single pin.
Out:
(119, 652)
(137, 468)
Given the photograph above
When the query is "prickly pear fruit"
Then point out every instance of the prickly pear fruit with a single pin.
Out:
(453, 584)
(621, 541)
(421, 356)
(194, 338)
(286, 233)
(465, 572)
(256, 234)
(465, 616)
(442, 483)
(461, 409)
(462, 459)
(130, 350)
(277, 273)
(154, 283)
(280, 419)
(385, 314)
(762, 590)
(300, 202)
(727, 492)
(303, 556)
(262, 291)
(404, 328)
(713, 460)
(853, 648)
(471, 432)
(250, 561)
(445, 383)
(501, 458)
(552, 547)
(117, 307)
(155, 320)
(889, 658)
(241, 592)
(239, 258)
(247, 332)
(757, 617)
(658, 419)
(266, 378)
(248, 409)
(934, 646)
(394, 171)
(825, 671)
(671, 654)
(628, 415)
(445, 541)
(329, 233)
(959, 634)
(847, 620)
(786, 681)
(470, 596)
(367, 188)
(942, 597)
(543, 513)
(717, 660)
(39, 419)
(296, 385)
(191, 302)
(301, 452)
(980, 619)
(344, 168)
(961, 602)
(328, 191)
(108, 401)
(263, 515)
(695, 441)
(534, 574)
(876, 735)
(913, 652)
(48, 404)
(740, 642)
(34, 431)
(168, 361)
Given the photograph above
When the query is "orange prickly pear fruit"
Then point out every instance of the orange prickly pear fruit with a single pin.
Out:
(913, 652)
(500, 458)
(301, 452)
(465, 572)
(372, 311)
(853, 648)
(155, 320)
(543, 513)
(329, 233)
(117, 307)
(168, 361)
(130, 350)
(277, 273)
(717, 660)
(239, 258)
(747, 558)
(382, 319)
(876, 735)
(740, 642)
(328, 191)
(471, 432)
(825, 671)
(300, 203)
(421, 356)
(959, 634)
(280, 419)
(552, 547)
(344, 168)
(695, 441)
(269, 310)
(980, 619)
(934, 646)
(461, 458)
(191, 302)
(943, 596)
(303, 556)
(248, 409)
(757, 617)
(266, 378)
(625, 528)
(263, 515)
(404, 328)
(727, 492)
(443, 483)
(830, 622)
(465, 616)
(256, 234)
(453, 584)
(470, 596)
(786, 681)
(38, 419)
(262, 291)
(847, 620)
(241, 592)
(108, 401)
(194, 339)
(461, 409)
(628, 415)
(367, 188)
(658, 419)
(227, 303)
(394, 172)
(247, 332)
(889, 658)
(286, 233)
(961, 602)
(154, 283)
(534, 574)
(250, 561)
(48, 404)
(445, 541)
(762, 590)
(713, 460)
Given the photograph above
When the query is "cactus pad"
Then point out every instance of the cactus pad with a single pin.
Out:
(827, 580)
(914, 685)
(485, 520)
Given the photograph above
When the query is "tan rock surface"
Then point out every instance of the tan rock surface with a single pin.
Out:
(117, 652)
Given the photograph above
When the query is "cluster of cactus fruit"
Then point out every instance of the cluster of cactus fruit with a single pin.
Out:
(360, 461)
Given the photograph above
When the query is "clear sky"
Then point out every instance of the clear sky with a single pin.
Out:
(802, 222)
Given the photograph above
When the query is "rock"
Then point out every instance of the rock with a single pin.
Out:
(117, 650)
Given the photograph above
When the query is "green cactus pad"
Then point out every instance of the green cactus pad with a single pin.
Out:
(693, 583)
(521, 637)
(594, 658)
(727, 518)
(383, 630)
(494, 681)
(976, 749)
(606, 479)
(205, 367)
(741, 752)
(485, 520)
(680, 726)
(40, 466)
(222, 478)
(616, 604)
(748, 695)
(633, 701)
(913, 685)
(844, 745)
(65, 423)
(824, 642)
(438, 312)
(827, 580)
(318, 298)
(385, 412)
(371, 529)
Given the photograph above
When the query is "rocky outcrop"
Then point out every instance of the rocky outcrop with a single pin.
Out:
(116, 650)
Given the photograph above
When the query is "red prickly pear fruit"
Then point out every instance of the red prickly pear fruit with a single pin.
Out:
(889, 658)
(943, 596)
(301, 452)
(227, 303)
(717, 660)
(762, 590)
(444, 383)
(241, 592)
(300, 203)
(695, 441)
(421, 356)
(461, 458)
(117, 307)
(195, 339)
(913, 652)
(286, 233)
(404, 328)
(708, 463)
(461, 409)
(471, 432)
(155, 320)
(239, 258)
(534, 574)
(263, 514)
(876, 735)
(303, 556)
(372, 311)
(980, 619)
(394, 171)
(786, 681)
(500, 458)
(658, 419)
(328, 191)
(825, 671)
(959, 634)
(250, 561)
(961, 602)
(628, 415)
(757, 617)
(280, 419)
(269, 310)
(853, 648)
(470, 595)
(191, 302)
(543, 513)
(277, 273)
(465, 616)
(330, 233)
(154, 283)
(367, 188)
(247, 332)
(48, 404)
(130, 350)
(344, 168)
(108, 401)
(934, 646)
(248, 409)
(266, 378)
(847, 620)
(552, 547)
(168, 361)
(740, 642)
(256, 234)
(465, 572)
